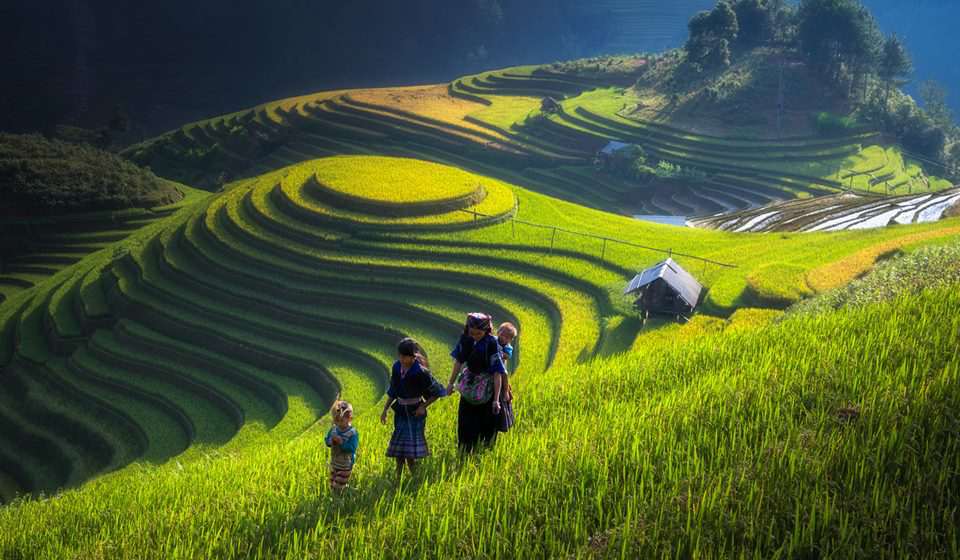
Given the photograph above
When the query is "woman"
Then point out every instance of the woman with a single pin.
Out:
(478, 375)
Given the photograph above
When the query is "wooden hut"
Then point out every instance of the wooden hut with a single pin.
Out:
(666, 288)
(606, 155)
(550, 106)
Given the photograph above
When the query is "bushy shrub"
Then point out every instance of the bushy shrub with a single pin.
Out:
(830, 125)
(43, 177)
(633, 163)
(898, 114)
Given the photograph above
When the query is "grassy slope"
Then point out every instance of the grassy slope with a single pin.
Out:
(738, 444)
(817, 434)
(57, 243)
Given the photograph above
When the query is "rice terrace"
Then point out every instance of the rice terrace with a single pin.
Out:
(205, 335)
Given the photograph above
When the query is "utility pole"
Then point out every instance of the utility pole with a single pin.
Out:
(780, 101)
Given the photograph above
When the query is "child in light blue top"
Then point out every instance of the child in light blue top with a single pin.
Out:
(343, 440)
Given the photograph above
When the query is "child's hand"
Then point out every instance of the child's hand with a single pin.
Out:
(383, 417)
(421, 411)
(336, 440)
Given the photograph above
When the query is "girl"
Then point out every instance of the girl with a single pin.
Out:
(478, 375)
(412, 390)
(343, 440)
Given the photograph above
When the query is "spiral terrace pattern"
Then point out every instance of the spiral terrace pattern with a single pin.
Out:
(229, 309)
(551, 155)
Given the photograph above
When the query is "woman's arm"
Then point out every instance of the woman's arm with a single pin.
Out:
(497, 387)
(453, 376)
(386, 407)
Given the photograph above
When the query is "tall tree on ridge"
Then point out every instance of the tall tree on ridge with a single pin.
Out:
(895, 64)
(711, 34)
(934, 98)
(755, 21)
(841, 38)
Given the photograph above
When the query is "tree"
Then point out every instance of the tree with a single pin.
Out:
(895, 64)
(724, 22)
(711, 34)
(755, 22)
(783, 21)
(839, 37)
(934, 98)
(953, 160)
(719, 56)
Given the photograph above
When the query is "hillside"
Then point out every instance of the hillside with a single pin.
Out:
(41, 178)
(63, 201)
(491, 123)
(164, 392)
(268, 299)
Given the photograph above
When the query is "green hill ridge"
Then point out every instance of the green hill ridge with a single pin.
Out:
(164, 391)
(264, 310)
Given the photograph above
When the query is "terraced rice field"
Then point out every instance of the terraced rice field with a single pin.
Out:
(179, 379)
(170, 382)
(836, 212)
(269, 299)
(54, 244)
(490, 123)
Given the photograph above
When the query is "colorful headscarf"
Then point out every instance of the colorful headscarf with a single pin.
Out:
(480, 321)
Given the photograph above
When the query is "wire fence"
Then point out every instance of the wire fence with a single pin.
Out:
(603, 239)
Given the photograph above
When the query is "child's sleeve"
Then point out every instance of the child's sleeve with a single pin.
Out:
(393, 390)
(351, 445)
(328, 437)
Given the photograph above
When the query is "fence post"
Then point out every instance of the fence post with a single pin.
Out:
(603, 250)
(552, 239)
(513, 227)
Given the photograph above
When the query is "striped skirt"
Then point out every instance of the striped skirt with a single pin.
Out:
(339, 478)
(409, 439)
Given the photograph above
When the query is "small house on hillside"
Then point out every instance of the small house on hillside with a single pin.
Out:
(607, 154)
(550, 106)
(666, 288)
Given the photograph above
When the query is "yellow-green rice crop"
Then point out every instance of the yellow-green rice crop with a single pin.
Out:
(818, 434)
(705, 438)
(394, 180)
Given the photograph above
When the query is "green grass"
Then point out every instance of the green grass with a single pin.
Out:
(919, 269)
(701, 438)
(497, 199)
(759, 436)
(59, 242)
(389, 180)
(504, 112)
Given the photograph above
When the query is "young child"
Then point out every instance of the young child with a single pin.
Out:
(412, 389)
(342, 439)
(506, 333)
